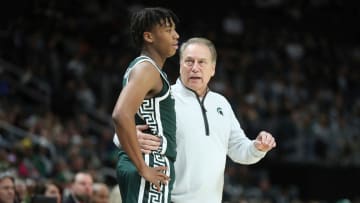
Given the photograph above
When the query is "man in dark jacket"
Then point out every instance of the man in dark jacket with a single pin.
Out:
(81, 189)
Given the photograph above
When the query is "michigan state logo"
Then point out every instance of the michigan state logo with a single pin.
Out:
(219, 110)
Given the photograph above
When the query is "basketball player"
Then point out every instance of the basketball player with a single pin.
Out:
(146, 96)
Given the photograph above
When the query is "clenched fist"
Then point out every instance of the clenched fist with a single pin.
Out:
(264, 141)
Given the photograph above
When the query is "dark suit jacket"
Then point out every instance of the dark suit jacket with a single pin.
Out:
(69, 199)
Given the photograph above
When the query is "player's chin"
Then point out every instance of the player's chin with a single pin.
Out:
(172, 53)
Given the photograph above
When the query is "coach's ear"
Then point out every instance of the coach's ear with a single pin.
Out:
(148, 37)
(213, 70)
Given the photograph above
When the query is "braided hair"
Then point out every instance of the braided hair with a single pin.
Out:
(145, 19)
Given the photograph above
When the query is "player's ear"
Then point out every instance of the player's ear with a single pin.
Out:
(148, 37)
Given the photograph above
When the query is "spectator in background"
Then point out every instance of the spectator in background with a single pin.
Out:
(7, 188)
(21, 189)
(49, 189)
(101, 193)
(81, 189)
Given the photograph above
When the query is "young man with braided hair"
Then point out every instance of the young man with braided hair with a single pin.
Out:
(146, 96)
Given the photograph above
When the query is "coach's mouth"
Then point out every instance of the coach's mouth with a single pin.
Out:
(195, 78)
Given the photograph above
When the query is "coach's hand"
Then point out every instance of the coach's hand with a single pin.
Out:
(147, 142)
(264, 141)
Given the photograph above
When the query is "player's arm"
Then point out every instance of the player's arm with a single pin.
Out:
(144, 79)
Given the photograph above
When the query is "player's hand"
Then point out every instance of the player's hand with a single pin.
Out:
(147, 142)
(155, 175)
(264, 141)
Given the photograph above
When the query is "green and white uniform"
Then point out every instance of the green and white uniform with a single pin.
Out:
(159, 114)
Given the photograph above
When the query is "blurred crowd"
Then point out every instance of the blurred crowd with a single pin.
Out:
(292, 67)
(81, 189)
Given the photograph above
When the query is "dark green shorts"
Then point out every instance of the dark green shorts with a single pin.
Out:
(134, 188)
